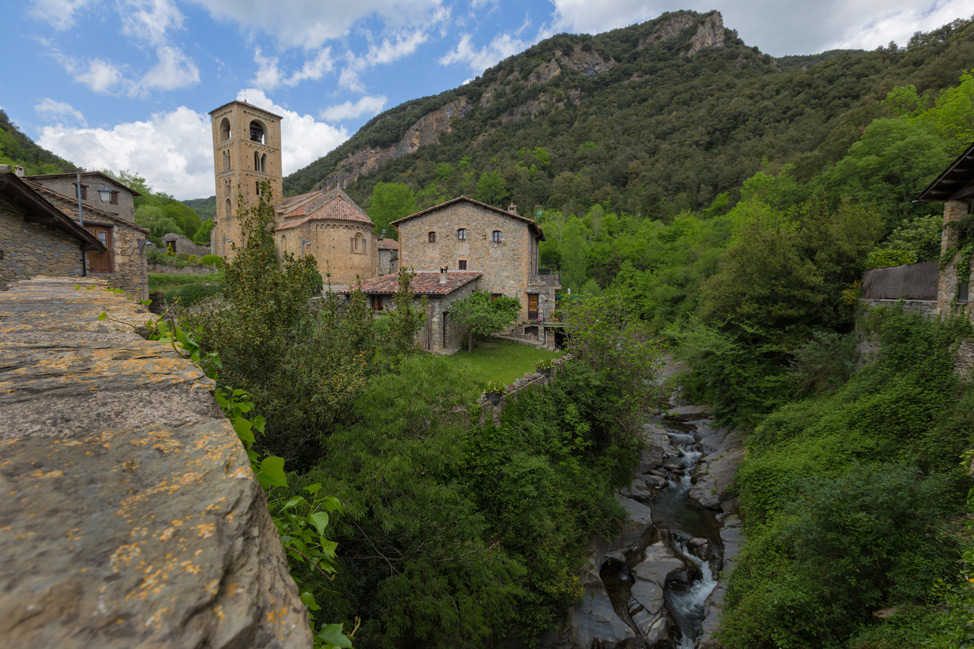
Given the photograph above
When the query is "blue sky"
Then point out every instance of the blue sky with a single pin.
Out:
(127, 84)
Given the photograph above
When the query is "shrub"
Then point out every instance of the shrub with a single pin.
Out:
(212, 260)
(193, 293)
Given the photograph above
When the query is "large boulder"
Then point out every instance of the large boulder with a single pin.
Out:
(594, 623)
(132, 518)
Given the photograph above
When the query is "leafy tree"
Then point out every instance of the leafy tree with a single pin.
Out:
(389, 202)
(202, 236)
(482, 315)
(407, 318)
(491, 189)
(574, 255)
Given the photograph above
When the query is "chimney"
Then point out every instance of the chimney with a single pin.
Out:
(4, 169)
(512, 209)
(19, 170)
(443, 274)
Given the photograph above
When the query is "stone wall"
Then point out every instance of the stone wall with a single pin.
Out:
(131, 272)
(131, 516)
(330, 242)
(530, 381)
(31, 249)
(507, 266)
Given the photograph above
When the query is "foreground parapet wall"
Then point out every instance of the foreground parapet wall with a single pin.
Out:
(130, 516)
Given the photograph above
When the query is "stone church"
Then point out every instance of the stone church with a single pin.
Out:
(329, 226)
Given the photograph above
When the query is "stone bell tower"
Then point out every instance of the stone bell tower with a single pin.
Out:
(246, 151)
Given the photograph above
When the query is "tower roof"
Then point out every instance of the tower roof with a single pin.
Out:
(335, 205)
(250, 106)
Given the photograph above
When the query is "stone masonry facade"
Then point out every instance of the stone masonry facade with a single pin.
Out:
(129, 269)
(30, 249)
(950, 274)
(331, 242)
(509, 266)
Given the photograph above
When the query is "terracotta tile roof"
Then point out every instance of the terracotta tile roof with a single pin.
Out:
(531, 224)
(317, 206)
(388, 244)
(424, 283)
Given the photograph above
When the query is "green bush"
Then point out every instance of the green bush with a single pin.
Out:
(846, 496)
(193, 293)
(887, 258)
(212, 260)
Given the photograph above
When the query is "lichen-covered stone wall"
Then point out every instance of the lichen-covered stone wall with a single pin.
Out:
(31, 249)
(131, 517)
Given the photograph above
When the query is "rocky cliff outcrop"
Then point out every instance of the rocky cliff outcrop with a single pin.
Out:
(131, 517)
(426, 130)
(710, 32)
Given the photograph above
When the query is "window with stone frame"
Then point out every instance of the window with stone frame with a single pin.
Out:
(461, 234)
(358, 244)
(431, 237)
(497, 236)
(376, 301)
(84, 191)
(461, 264)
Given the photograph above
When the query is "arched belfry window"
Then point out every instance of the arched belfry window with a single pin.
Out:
(225, 129)
(256, 132)
(229, 208)
(226, 161)
(260, 161)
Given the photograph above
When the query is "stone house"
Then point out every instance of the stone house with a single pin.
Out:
(955, 187)
(388, 256)
(98, 191)
(180, 244)
(36, 238)
(466, 235)
(123, 264)
(334, 230)
(441, 288)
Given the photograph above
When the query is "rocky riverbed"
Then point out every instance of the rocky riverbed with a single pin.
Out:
(656, 585)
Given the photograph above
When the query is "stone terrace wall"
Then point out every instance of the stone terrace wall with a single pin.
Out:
(131, 517)
(530, 381)
(30, 249)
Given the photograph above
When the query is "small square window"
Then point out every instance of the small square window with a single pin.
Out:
(84, 191)
(462, 234)
(376, 302)
(431, 237)
(497, 237)
(114, 198)
(462, 264)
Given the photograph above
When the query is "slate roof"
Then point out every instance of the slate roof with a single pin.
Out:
(38, 210)
(531, 224)
(69, 206)
(87, 174)
(388, 244)
(334, 205)
(956, 182)
(423, 283)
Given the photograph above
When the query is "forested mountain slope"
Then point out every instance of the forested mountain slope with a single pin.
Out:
(18, 149)
(650, 119)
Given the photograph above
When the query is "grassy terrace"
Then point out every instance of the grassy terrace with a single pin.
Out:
(500, 360)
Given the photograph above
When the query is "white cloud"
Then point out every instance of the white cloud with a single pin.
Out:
(386, 52)
(269, 75)
(776, 27)
(311, 23)
(174, 150)
(174, 70)
(99, 75)
(478, 60)
(348, 110)
(59, 110)
(149, 20)
(58, 13)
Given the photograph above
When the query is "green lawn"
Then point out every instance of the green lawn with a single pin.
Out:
(500, 360)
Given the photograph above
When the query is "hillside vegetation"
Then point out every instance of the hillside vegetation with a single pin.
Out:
(648, 120)
(18, 149)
